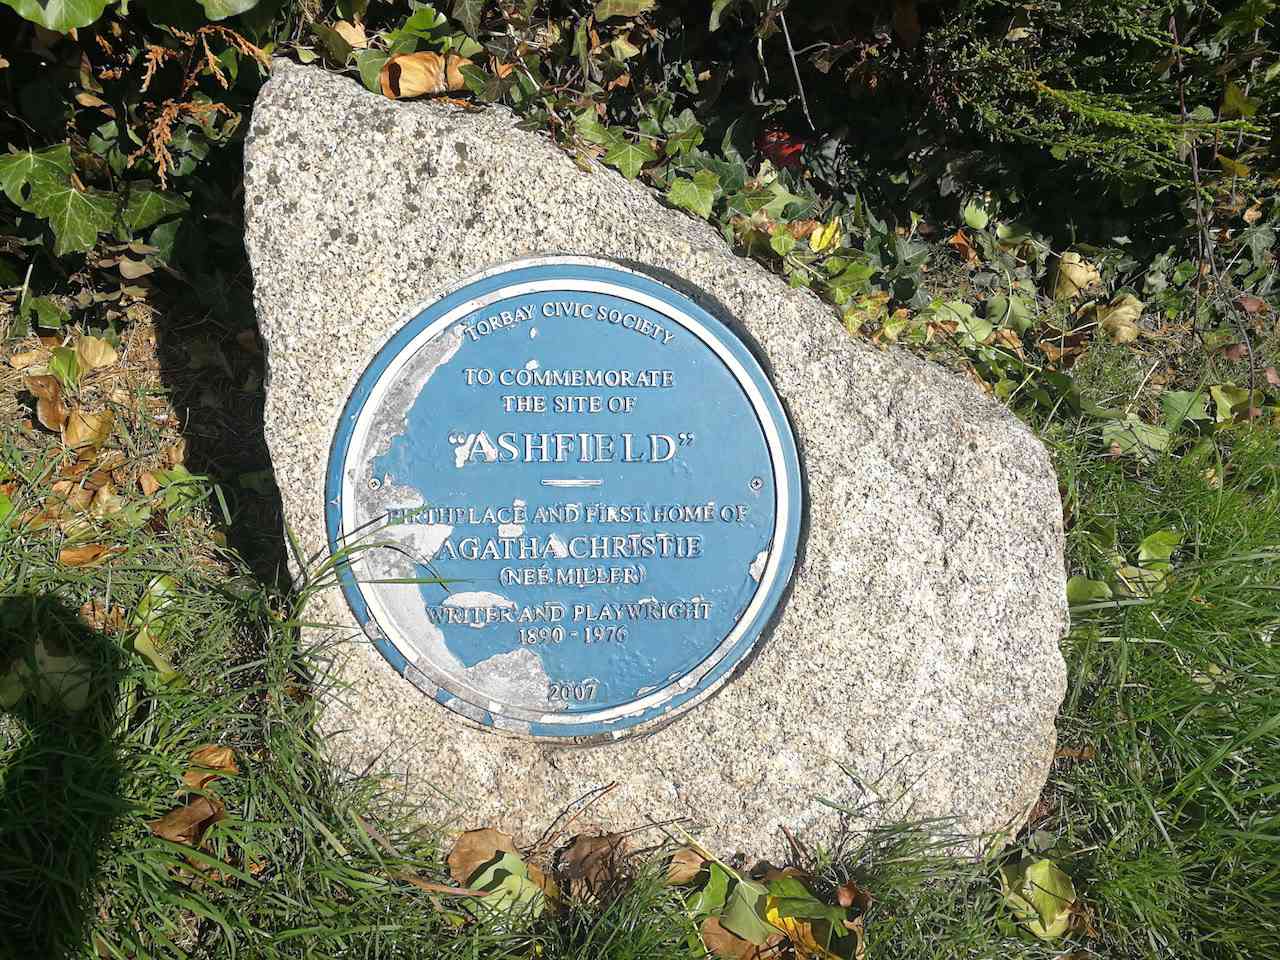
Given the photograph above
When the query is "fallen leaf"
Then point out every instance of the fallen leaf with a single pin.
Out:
(589, 865)
(415, 74)
(514, 896)
(132, 269)
(353, 33)
(101, 617)
(686, 863)
(960, 243)
(48, 393)
(209, 763)
(148, 482)
(1079, 754)
(853, 896)
(1236, 352)
(1073, 275)
(474, 849)
(1272, 376)
(722, 943)
(187, 825)
(27, 358)
(1041, 896)
(1251, 304)
(150, 620)
(1119, 319)
(84, 556)
(52, 678)
(105, 501)
(88, 429)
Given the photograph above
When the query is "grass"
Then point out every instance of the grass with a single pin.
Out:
(1162, 808)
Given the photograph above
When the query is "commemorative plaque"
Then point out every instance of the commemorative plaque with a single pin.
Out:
(566, 499)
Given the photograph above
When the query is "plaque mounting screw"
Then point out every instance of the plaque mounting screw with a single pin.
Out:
(374, 483)
(757, 483)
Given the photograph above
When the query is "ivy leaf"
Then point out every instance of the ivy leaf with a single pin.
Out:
(76, 216)
(65, 366)
(1180, 405)
(47, 312)
(1236, 103)
(628, 157)
(369, 63)
(1084, 590)
(467, 13)
(744, 913)
(146, 207)
(1158, 547)
(855, 278)
(696, 195)
(1132, 436)
(782, 241)
(27, 172)
(685, 137)
(60, 16)
(589, 128)
(221, 9)
(747, 202)
(780, 198)
(606, 9)
(974, 330)
(710, 899)
(486, 86)
(718, 8)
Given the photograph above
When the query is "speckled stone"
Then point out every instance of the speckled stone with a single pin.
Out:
(915, 670)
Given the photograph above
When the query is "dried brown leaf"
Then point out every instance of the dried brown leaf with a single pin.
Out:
(1236, 352)
(105, 501)
(27, 358)
(353, 33)
(134, 269)
(209, 763)
(187, 825)
(94, 352)
(148, 482)
(88, 429)
(852, 896)
(83, 556)
(1272, 376)
(1079, 754)
(474, 849)
(1251, 304)
(722, 943)
(101, 617)
(415, 74)
(959, 242)
(48, 393)
(590, 865)
(686, 863)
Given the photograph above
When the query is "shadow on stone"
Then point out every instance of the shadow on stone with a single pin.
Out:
(61, 773)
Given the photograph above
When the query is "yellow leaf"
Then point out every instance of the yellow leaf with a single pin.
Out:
(1119, 318)
(353, 33)
(94, 352)
(415, 74)
(799, 931)
(87, 429)
(825, 237)
(209, 763)
(27, 358)
(1073, 275)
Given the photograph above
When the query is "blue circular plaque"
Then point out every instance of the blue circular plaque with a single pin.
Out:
(564, 499)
